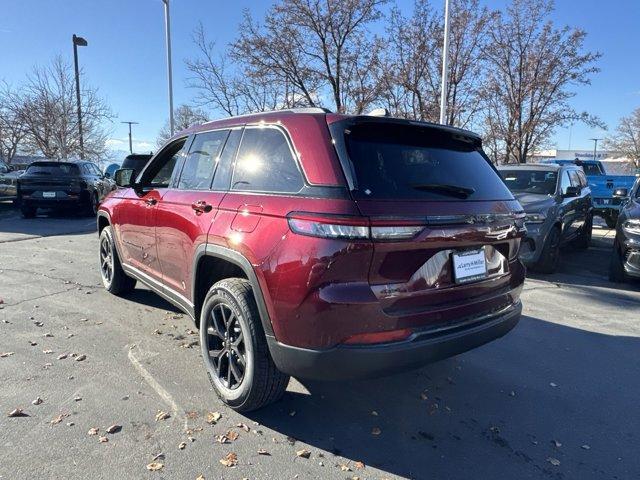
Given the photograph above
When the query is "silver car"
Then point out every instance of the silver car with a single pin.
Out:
(557, 202)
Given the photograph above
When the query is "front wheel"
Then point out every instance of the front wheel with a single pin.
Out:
(550, 255)
(27, 211)
(234, 348)
(611, 221)
(113, 277)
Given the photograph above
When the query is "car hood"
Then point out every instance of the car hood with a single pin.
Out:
(534, 202)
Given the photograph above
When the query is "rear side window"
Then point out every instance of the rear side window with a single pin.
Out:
(265, 163)
(396, 161)
(583, 179)
(202, 160)
(53, 169)
(592, 169)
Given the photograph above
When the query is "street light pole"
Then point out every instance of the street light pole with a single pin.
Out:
(445, 66)
(595, 146)
(130, 141)
(167, 28)
(78, 42)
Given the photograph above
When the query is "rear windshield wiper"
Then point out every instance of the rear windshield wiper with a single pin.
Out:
(445, 189)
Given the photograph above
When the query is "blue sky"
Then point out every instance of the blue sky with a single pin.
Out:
(125, 58)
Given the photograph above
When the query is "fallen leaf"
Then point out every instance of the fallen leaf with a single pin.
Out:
(37, 401)
(192, 415)
(59, 418)
(155, 466)
(47, 351)
(114, 429)
(17, 412)
(345, 468)
(376, 431)
(6, 354)
(556, 443)
(359, 465)
(93, 431)
(48, 335)
(200, 477)
(230, 460)
(77, 398)
(553, 384)
(243, 426)
(103, 439)
(586, 447)
(304, 453)
(80, 358)
(162, 415)
(553, 461)
(232, 435)
(292, 413)
(62, 356)
(32, 343)
(213, 417)
(182, 446)
(262, 451)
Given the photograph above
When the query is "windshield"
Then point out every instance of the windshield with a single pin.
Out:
(59, 169)
(592, 169)
(398, 161)
(530, 181)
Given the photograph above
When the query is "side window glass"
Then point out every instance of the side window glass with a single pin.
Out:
(575, 180)
(564, 182)
(222, 176)
(583, 179)
(201, 162)
(265, 163)
(160, 171)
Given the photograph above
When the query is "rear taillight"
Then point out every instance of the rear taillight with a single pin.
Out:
(333, 226)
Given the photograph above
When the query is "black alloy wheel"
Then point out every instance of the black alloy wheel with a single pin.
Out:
(226, 347)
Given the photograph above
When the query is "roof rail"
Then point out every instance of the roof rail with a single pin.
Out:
(285, 110)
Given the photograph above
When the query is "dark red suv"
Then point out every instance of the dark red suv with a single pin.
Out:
(319, 245)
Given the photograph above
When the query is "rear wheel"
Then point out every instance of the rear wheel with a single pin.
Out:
(584, 240)
(611, 221)
(113, 277)
(550, 256)
(28, 211)
(234, 348)
(616, 266)
(92, 205)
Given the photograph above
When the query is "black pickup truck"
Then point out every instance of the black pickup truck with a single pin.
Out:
(59, 185)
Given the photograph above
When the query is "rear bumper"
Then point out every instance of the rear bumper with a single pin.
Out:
(57, 202)
(356, 362)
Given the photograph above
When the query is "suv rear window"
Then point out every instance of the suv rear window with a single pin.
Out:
(54, 169)
(396, 161)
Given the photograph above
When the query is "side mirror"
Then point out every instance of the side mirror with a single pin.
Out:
(106, 175)
(620, 193)
(124, 177)
(571, 192)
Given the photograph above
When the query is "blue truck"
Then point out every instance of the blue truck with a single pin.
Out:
(602, 186)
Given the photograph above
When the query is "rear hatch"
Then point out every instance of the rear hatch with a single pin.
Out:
(445, 227)
(46, 179)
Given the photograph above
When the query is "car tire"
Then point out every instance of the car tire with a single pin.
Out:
(241, 370)
(28, 211)
(610, 221)
(91, 208)
(550, 256)
(616, 267)
(114, 279)
(584, 239)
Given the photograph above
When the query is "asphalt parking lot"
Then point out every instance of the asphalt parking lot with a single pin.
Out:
(556, 398)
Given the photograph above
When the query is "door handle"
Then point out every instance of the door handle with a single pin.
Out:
(201, 207)
(151, 201)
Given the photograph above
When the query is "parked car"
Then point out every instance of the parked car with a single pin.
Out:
(110, 171)
(136, 162)
(59, 185)
(602, 185)
(8, 181)
(557, 203)
(319, 245)
(625, 260)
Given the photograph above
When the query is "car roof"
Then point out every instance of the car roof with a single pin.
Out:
(277, 116)
(549, 167)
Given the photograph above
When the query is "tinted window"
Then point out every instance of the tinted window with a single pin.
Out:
(411, 162)
(222, 177)
(592, 169)
(160, 172)
(201, 162)
(530, 181)
(565, 182)
(575, 179)
(265, 163)
(63, 169)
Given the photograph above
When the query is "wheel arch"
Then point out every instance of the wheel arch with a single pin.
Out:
(213, 263)
(103, 220)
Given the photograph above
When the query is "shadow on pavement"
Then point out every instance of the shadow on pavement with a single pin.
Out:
(490, 413)
(48, 223)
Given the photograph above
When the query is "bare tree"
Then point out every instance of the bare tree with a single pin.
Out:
(626, 138)
(12, 129)
(319, 48)
(49, 113)
(532, 66)
(184, 117)
(226, 86)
